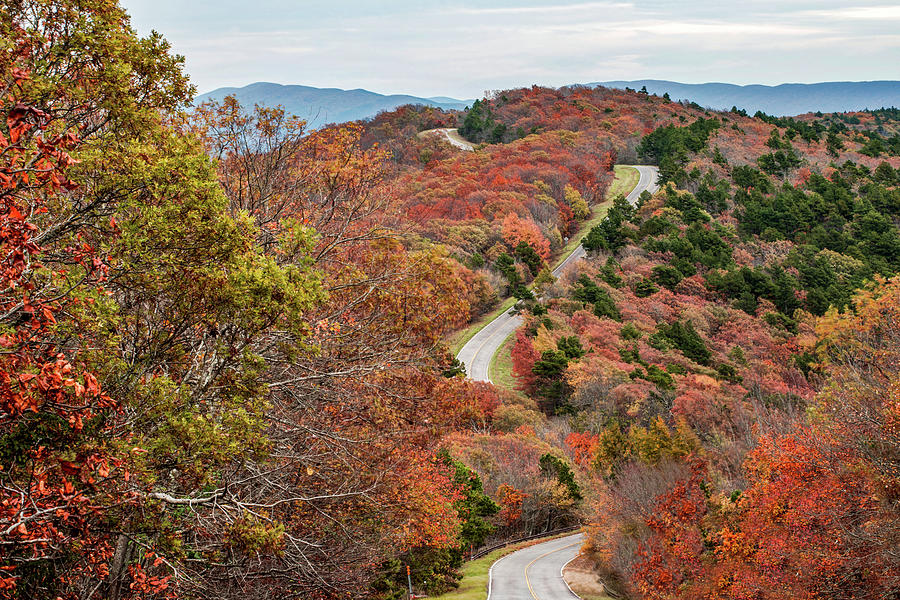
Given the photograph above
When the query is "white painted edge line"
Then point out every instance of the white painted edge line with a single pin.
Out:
(646, 180)
(563, 568)
(491, 570)
(491, 574)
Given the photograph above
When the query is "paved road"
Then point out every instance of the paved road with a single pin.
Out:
(479, 350)
(453, 137)
(535, 573)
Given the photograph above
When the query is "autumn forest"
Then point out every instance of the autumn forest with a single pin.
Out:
(228, 339)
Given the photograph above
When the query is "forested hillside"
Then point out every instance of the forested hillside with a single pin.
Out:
(222, 371)
(225, 368)
(689, 364)
(715, 356)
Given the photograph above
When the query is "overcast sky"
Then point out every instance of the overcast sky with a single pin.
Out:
(461, 48)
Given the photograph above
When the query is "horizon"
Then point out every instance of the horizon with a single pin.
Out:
(440, 95)
(460, 50)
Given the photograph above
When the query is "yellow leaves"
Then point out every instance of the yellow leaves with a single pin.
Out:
(544, 340)
(658, 442)
(874, 307)
(576, 202)
(706, 381)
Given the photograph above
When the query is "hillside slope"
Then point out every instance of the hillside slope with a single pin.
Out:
(661, 381)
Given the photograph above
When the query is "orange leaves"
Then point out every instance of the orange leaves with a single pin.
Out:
(458, 404)
(525, 179)
(419, 509)
(510, 500)
(734, 544)
(339, 162)
(516, 230)
(14, 214)
(584, 445)
(671, 558)
(144, 584)
(789, 534)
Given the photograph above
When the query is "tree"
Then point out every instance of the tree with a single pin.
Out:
(377, 362)
(608, 235)
(577, 203)
(667, 276)
(67, 475)
(548, 372)
(543, 280)
(479, 123)
(571, 347)
(834, 144)
(683, 336)
(194, 378)
(555, 467)
(436, 570)
(528, 256)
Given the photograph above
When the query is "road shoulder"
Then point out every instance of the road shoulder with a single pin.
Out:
(580, 574)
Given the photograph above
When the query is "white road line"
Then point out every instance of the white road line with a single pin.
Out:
(646, 181)
(563, 577)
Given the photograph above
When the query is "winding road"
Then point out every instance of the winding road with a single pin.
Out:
(478, 351)
(452, 136)
(535, 573)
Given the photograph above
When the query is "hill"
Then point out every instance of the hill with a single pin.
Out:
(674, 369)
(779, 100)
(325, 105)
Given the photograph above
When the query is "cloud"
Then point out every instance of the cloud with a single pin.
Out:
(726, 28)
(862, 13)
(553, 8)
(460, 47)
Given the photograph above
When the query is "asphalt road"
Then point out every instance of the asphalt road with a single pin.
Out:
(535, 573)
(479, 350)
(454, 138)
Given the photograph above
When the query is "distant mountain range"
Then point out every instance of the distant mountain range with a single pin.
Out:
(331, 105)
(325, 105)
(780, 100)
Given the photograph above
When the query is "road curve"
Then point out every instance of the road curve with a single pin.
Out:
(535, 573)
(480, 349)
(451, 135)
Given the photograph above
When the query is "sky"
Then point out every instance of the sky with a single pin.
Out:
(463, 48)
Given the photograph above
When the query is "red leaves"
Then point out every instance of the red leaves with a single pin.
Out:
(510, 500)
(516, 230)
(19, 74)
(14, 214)
(517, 187)
(524, 356)
(50, 498)
(789, 538)
(584, 445)
(671, 557)
(144, 584)
(22, 118)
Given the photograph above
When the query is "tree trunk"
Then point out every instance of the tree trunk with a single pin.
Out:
(117, 568)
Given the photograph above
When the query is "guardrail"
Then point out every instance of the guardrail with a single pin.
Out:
(488, 549)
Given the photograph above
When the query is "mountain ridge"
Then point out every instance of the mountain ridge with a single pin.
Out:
(325, 105)
(786, 99)
(335, 105)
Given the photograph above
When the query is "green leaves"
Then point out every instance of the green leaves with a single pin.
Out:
(683, 336)
(554, 467)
